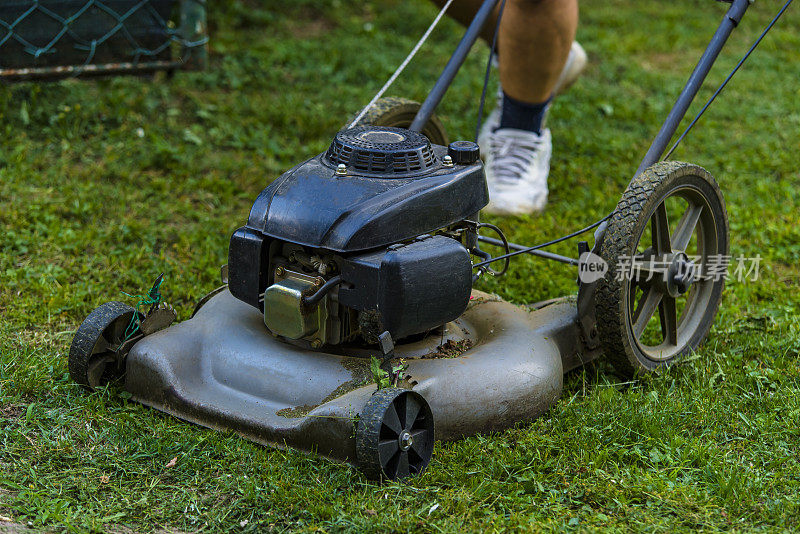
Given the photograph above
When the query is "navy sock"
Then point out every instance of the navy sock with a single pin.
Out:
(523, 116)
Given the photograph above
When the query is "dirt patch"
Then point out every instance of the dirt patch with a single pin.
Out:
(482, 299)
(361, 376)
(11, 411)
(310, 24)
(297, 411)
(7, 527)
(673, 61)
(787, 274)
(451, 349)
(7, 523)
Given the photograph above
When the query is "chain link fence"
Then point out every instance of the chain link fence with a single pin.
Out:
(46, 39)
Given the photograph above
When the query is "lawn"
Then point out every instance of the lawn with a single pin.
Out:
(105, 184)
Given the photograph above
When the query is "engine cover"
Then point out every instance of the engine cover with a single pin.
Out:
(396, 187)
(382, 210)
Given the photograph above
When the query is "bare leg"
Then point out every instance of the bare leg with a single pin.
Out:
(534, 42)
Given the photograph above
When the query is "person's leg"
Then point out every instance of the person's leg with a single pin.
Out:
(534, 43)
(535, 37)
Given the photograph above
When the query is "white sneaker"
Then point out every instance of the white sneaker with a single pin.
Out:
(517, 165)
(517, 161)
(576, 63)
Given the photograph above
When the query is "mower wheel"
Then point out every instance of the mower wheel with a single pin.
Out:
(399, 113)
(394, 435)
(666, 246)
(94, 357)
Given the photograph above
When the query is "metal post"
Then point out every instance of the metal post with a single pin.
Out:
(731, 20)
(452, 67)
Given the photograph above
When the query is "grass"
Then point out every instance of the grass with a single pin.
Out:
(105, 184)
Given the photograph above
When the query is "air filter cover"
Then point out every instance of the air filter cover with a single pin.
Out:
(382, 150)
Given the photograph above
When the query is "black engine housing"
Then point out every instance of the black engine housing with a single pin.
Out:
(383, 209)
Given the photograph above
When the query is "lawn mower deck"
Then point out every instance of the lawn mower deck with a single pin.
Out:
(496, 365)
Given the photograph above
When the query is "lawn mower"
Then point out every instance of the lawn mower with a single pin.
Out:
(347, 324)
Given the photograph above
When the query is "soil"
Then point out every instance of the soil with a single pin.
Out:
(451, 349)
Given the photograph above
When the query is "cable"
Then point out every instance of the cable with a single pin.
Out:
(505, 245)
(403, 65)
(553, 242)
(539, 253)
(486, 77)
(730, 76)
(313, 300)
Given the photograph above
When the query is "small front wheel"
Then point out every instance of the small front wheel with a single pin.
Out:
(394, 435)
(94, 356)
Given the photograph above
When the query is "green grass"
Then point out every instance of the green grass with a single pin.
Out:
(105, 184)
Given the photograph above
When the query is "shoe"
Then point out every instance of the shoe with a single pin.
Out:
(518, 161)
(517, 165)
(576, 63)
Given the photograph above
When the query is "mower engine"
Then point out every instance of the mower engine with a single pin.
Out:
(366, 242)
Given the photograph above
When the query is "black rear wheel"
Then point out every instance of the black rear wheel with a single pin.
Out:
(394, 435)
